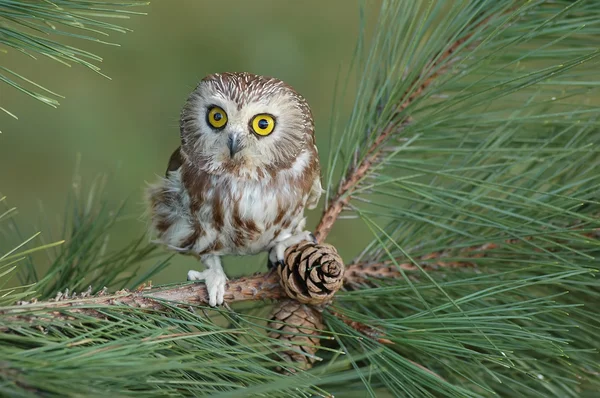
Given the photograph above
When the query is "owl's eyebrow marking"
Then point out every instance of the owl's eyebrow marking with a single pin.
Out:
(212, 105)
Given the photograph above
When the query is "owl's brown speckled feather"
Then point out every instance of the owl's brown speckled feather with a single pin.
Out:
(217, 199)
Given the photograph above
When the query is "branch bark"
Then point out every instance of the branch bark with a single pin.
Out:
(261, 286)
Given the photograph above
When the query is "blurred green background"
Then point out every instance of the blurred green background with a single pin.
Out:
(128, 126)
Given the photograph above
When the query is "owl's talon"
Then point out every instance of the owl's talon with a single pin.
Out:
(277, 253)
(273, 263)
(215, 280)
(273, 257)
(313, 238)
(270, 263)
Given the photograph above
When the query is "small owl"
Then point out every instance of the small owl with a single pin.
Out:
(246, 169)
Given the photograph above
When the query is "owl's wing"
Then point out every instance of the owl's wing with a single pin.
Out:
(175, 161)
(315, 193)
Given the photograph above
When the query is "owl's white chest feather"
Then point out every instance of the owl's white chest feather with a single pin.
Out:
(253, 213)
(235, 215)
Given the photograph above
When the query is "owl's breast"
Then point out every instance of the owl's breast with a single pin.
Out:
(222, 214)
(258, 215)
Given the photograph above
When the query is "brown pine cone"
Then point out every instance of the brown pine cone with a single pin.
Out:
(290, 318)
(312, 273)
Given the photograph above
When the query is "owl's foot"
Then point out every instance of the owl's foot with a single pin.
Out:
(277, 253)
(270, 263)
(214, 278)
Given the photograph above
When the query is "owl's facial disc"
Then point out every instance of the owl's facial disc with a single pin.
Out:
(244, 124)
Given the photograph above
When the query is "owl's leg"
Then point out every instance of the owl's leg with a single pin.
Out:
(213, 276)
(277, 253)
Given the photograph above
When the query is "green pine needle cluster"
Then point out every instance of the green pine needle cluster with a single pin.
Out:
(40, 27)
(493, 168)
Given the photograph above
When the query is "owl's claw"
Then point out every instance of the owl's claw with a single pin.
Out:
(313, 238)
(215, 280)
(277, 253)
(270, 263)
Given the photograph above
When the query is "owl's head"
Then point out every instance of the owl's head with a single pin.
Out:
(244, 122)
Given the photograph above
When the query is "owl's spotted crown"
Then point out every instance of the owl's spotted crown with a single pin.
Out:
(244, 88)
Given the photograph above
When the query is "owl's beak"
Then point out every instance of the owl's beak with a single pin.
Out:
(234, 144)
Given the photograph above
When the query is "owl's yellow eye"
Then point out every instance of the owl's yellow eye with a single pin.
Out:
(217, 117)
(263, 124)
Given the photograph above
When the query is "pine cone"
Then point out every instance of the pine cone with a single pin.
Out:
(312, 273)
(298, 318)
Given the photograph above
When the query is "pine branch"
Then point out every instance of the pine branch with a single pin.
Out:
(260, 286)
(435, 68)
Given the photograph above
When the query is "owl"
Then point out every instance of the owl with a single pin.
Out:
(238, 184)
